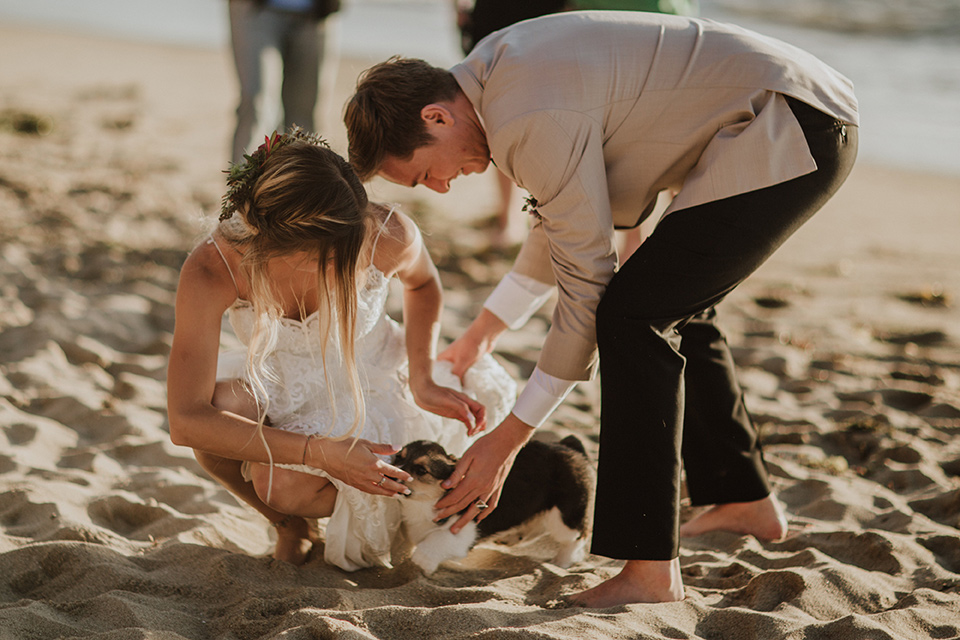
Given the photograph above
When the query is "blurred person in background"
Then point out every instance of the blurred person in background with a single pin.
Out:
(296, 29)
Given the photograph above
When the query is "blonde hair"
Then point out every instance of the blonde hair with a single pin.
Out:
(305, 199)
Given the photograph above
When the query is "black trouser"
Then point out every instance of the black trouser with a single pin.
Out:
(669, 391)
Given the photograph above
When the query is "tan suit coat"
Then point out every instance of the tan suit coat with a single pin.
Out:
(595, 113)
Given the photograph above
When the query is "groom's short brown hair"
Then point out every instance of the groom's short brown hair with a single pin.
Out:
(383, 116)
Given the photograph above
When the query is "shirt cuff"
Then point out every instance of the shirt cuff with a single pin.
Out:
(516, 298)
(542, 394)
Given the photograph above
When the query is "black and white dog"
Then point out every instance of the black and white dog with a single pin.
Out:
(549, 490)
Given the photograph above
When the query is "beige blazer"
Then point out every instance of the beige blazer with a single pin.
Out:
(595, 113)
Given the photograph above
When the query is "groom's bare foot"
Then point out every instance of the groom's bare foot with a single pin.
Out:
(763, 519)
(638, 581)
(295, 539)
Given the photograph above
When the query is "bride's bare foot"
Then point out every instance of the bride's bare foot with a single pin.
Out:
(638, 581)
(295, 538)
(764, 519)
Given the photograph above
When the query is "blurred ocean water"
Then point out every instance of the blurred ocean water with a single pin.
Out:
(368, 28)
(903, 57)
(892, 17)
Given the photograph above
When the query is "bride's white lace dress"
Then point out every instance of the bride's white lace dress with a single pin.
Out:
(362, 528)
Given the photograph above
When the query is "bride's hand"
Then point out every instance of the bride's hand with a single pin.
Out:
(357, 464)
(449, 403)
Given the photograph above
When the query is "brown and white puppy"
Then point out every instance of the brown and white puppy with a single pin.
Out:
(549, 490)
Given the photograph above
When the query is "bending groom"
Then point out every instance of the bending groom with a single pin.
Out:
(595, 113)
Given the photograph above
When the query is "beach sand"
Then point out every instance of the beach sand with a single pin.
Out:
(846, 341)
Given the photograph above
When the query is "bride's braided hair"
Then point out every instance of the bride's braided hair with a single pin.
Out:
(241, 176)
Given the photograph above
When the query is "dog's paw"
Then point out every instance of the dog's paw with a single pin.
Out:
(571, 554)
(425, 561)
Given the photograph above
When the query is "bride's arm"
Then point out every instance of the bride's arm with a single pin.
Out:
(205, 291)
(422, 304)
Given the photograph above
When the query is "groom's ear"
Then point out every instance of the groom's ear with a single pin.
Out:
(435, 114)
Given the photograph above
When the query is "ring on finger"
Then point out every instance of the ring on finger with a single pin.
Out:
(383, 479)
(481, 504)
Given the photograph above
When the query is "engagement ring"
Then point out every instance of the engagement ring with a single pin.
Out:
(481, 505)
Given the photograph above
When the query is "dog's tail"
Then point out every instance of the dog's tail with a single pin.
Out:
(573, 442)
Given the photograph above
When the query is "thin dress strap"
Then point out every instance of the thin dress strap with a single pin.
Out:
(227, 264)
(383, 225)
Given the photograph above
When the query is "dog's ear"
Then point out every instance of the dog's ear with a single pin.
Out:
(442, 468)
(400, 455)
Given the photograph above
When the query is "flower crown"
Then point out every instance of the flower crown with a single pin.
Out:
(241, 176)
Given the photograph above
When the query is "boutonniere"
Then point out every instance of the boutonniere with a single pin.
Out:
(530, 206)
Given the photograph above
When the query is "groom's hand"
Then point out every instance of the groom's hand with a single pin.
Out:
(463, 353)
(480, 473)
(479, 339)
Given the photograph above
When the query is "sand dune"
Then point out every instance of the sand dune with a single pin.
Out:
(110, 152)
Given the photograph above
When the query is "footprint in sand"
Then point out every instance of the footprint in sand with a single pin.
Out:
(946, 549)
(22, 517)
(906, 399)
(869, 550)
(919, 338)
(767, 591)
(943, 508)
(932, 295)
(137, 520)
(710, 571)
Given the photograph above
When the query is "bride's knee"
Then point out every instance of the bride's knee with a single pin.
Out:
(286, 491)
(211, 463)
(233, 396)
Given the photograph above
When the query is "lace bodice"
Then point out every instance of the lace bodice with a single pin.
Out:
(301, 397)
(301, 335)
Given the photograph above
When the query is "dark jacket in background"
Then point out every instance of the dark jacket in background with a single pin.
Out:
(491, 15)
(321, 8)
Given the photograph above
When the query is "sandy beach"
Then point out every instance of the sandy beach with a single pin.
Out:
(111, 153)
